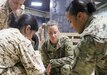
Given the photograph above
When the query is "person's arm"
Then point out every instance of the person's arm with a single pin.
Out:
(70, 55)
(30, 61)
(3, 3)
(44, 55)
(40, 33)
(3, 15)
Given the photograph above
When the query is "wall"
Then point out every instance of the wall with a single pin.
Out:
(102, 10)
(41, 16)
(57, 13)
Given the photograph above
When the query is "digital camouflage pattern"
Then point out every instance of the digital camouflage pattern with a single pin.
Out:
(17, 56)
(4, 13)
(60, 56)
(92, 56)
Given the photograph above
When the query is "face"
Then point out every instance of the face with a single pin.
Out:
(27, 32)
(53, 33)
(31, 34)
(15, 4)
(77, 22)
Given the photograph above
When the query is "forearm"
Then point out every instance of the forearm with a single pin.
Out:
(62, 61)
(30, 61)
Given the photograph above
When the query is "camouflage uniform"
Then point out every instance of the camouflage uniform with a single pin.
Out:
(4, 13)
(92, 56)
(60, 56)
(17, 56)
(42, 34)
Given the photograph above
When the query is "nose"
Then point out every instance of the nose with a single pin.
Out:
(53, 35)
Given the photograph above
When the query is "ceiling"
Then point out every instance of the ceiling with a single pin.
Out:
(45, 4)
(44, 7)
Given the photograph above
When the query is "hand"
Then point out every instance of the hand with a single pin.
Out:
(48, 69)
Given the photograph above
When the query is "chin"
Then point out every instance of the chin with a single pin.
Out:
(53, 42)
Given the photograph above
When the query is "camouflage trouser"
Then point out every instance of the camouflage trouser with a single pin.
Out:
(66, 70)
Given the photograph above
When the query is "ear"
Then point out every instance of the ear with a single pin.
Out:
(80, 16)
(27, 29)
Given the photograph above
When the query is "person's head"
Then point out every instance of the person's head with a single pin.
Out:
(53, 31)
(27, 24)
(78, 12)
(15, 4)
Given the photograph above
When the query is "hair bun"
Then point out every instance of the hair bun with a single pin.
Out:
(91, 7)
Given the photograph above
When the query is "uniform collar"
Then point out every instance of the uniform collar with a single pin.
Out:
(54, 47)
(89, 21)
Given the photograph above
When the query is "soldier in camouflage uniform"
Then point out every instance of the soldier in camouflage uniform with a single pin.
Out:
(57, 52)
(17, 56)
(91, 52)
(8, 6)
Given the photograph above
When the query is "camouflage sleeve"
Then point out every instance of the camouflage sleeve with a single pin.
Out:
(2, 2)
(44, 56)
(69, 55)
(40, 33)
(89, 45)
(3, 17)
(30, 60)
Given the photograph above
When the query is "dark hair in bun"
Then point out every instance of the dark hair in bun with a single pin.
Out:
(81, 6)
